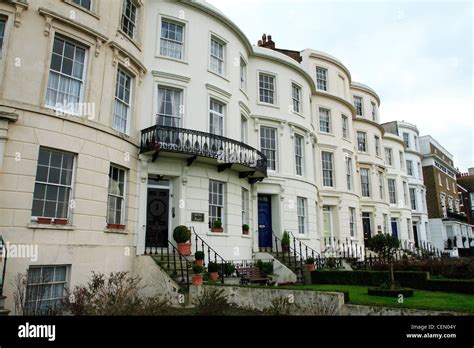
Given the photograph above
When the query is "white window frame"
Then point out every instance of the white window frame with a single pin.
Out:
(133, 4)
(3, 19)
(41, 285)
(409, 164)
(365, 191)
(69, 187)
(330, 170)
(299, 154)
(91, 4)
(413, 202)
(162, 117)
(296, 99)
(322, 78)
(349, 176)
(182, 43)
(220, 193)
(121, 197)
(325, 112)
(374, 112)
(377, 145)
(352, 222)
(244, 127)
(392, 194)
(61, 75)
(126, 104)
(302, 212)
(245, 207)
(272, 92)
(364, 138)
(265, 149)
(381, 185)
(215, 114)
(243, 74)
(388, 156)
(345, 126)
(356, 106)
(220, 61)
(406, 139)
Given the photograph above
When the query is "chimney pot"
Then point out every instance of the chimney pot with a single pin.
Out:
(269, 38)
(259, 43)
(264, 38)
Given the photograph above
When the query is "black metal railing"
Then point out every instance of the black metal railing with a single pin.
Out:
(197, 143)
(3, 263)
(209, 252)
(176, 264)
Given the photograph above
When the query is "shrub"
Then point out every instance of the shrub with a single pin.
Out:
(213, 302)
(285, 239)
(181, 234)
(265, 267)
(117, 294)
(229, 269)
(310, 261)
(198, 269)
(199, 255)
(280, 306)
(217, 224)
(212, 267)
(245, 227)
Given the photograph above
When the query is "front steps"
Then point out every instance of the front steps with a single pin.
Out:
(177, 269)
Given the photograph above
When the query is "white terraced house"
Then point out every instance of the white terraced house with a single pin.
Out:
(142, 115)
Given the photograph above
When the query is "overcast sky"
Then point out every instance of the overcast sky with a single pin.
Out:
(417, 55)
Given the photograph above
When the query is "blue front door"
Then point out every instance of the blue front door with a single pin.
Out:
(394, 228)
(264, 222)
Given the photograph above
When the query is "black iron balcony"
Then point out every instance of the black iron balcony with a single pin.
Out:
(225, 152)
(457, 216)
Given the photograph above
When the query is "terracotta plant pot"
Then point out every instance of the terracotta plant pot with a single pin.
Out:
(184, 249)
(311, 267)
(214, 276)
(199, 262)
(217, 230)
(116, 226)
(44, 220)
(197, 279)
(285, 248)
(245, 231)
(60, 221)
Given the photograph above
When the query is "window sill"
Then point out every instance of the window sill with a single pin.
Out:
(275, 106)
(37, 226)
(182, 61)
(246, 236)
(300, 114)
(115, 231)
(217, 234)
(222, 76)
(132, 40)
(328, 134)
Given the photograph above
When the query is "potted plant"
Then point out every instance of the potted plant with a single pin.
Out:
(229, 269)
(116, 226)
(60, 221)
(285, 241)
(44, 220)
(213, 268)
(199, 258)
(310, 264)
(217, 226)
(245, 229)
(182, 235)
(197, 276)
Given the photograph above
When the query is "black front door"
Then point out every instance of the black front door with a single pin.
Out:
(264, 221)
(157, 216)
(366, 226)
(415, 235)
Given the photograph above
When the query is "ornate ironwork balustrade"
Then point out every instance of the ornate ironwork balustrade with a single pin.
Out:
(228, 153)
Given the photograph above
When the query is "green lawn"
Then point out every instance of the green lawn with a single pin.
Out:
(422, 299)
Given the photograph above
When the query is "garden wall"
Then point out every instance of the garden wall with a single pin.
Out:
(260, 298)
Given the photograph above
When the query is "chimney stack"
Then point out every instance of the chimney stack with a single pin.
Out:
(471, 171)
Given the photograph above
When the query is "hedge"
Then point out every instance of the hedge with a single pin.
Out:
(415, 280)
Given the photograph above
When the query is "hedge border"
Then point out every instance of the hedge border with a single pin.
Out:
(415, 280)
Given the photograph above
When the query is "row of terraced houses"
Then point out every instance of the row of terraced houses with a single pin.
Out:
(120, 120)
